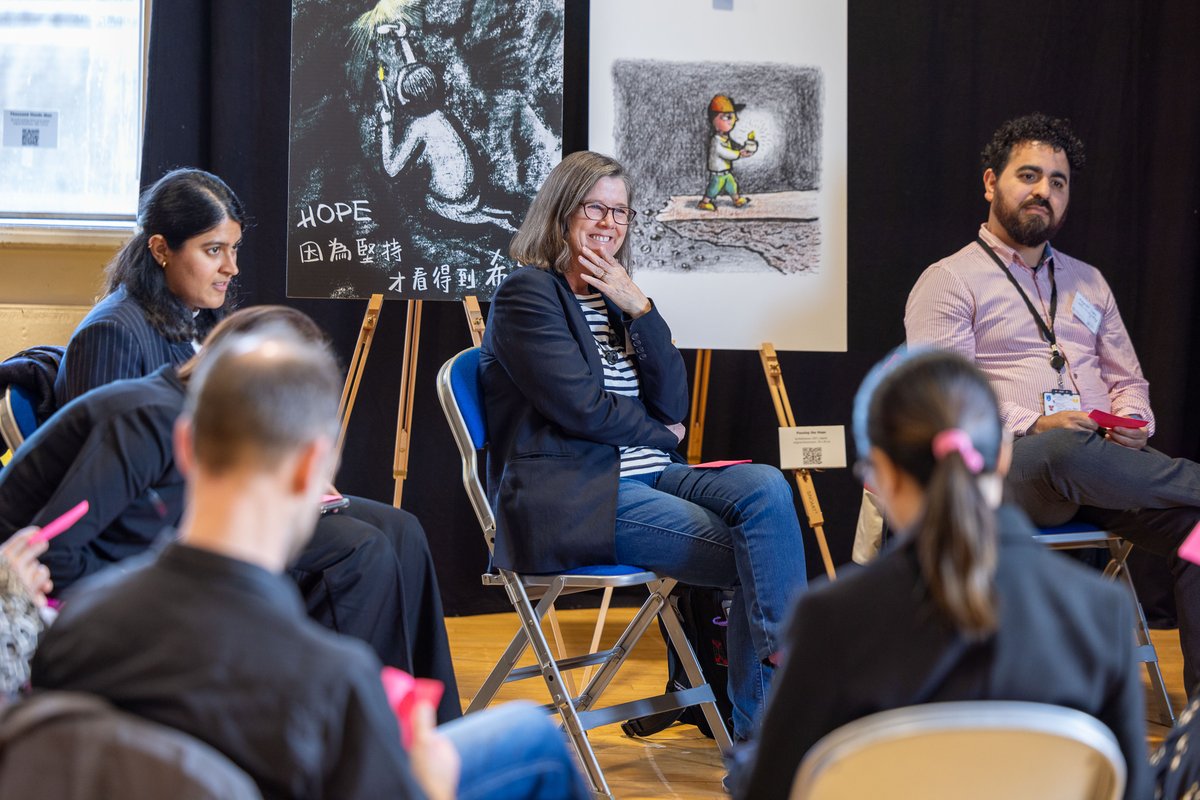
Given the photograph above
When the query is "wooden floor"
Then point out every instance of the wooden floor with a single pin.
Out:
(679, 762)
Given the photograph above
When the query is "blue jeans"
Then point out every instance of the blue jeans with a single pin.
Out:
(514, 752)
(732, 528)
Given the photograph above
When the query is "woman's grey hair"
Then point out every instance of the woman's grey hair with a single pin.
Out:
(542, 238)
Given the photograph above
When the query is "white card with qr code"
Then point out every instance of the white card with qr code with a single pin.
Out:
(812, 447)
(30, 128)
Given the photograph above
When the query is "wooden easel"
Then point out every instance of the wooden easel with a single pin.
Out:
(783, 412)
(408, 372)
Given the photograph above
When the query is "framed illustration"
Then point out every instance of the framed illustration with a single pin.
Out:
(731, 119)
(420, 132)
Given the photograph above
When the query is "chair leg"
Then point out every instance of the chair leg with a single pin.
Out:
(633, 631)
(514, 651)
(531, 623)
(561, 647)
(605, 601)
(1147, 652)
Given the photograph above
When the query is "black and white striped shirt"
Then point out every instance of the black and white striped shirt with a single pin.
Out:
(620, 377)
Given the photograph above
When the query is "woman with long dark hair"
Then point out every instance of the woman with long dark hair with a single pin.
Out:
(965, 606)
(165, 289)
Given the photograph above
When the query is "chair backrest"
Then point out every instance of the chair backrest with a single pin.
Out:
(985, 750)
(18, 415)
(76, 746)
(461, 395)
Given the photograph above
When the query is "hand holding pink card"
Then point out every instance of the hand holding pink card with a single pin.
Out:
(1106, 420)
(719, 464)
(1190, 549)
(405, 693)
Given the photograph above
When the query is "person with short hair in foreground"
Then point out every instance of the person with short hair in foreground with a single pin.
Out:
(966, 605)
(367, 571)
(209, 638)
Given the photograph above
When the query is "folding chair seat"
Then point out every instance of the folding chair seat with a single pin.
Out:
(461, 396)
(982, 749)
(1075, 535)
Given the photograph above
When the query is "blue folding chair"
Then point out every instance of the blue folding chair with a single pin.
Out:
(461, 396)
(18, 416)
(1076, 535)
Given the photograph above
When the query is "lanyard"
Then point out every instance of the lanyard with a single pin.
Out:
(1056, 358)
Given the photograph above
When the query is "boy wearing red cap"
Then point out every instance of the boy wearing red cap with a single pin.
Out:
(722, 152)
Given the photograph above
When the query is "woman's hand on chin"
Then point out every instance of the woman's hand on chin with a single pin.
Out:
(610, 278)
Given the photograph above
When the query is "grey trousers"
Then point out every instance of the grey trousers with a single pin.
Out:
(1149, 498)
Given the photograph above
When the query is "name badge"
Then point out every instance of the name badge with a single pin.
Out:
(1057, 400)
(1086, 313)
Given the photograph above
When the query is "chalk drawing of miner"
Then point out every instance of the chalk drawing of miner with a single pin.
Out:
(420, 135)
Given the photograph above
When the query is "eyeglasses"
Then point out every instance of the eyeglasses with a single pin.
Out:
(598, 211)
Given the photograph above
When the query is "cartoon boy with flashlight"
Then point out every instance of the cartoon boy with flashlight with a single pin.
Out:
(723, 151)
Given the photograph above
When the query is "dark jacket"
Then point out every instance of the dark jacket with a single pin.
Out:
(553, 430)
(34, 370)
(874, 641)
(114, 341)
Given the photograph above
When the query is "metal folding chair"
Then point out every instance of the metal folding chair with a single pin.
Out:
(1076, 535)
(982, 749)
(18, 417)
(461, 397)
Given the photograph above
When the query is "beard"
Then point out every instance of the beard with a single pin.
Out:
(1028, 230)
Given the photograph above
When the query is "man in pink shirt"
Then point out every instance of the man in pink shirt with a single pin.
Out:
(1045, 329)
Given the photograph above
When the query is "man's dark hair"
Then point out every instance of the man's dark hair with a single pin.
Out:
(1053, 131)
(259, 396)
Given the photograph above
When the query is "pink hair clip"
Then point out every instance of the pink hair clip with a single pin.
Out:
(956, 439)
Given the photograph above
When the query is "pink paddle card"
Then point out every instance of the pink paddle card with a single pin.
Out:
(1190, 549)
(60, 525)
(719, 464)
(405, 693)
(1106, 420)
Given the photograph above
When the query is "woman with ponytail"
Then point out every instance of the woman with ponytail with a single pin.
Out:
(164, 290)
(965, 605)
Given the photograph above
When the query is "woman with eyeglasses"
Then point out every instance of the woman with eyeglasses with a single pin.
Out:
(585, 394)
(965, 605)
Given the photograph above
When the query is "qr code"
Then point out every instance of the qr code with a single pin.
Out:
(29, 137)
(810, 456)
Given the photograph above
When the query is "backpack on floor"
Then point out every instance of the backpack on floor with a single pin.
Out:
(704, 614)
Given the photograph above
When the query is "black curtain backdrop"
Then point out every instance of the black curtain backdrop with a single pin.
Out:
(929, 82)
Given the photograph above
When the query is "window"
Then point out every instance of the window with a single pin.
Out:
(70, 109)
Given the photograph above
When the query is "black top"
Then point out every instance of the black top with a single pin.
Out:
(874, 641)
(554, 430)
(114, 341)
(111, 447)
(221, 649)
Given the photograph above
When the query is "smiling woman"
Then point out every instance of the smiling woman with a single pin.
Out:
(585, 394)
(165, 289)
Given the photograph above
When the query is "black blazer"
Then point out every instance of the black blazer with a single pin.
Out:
(114, 341)
(553, 430)
(873, 641)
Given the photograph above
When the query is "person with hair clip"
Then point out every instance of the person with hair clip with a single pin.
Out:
(965, 605)
(165, 289)
(584, 393)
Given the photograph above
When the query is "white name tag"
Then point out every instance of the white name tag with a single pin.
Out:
(1057, 400)
(812, 447)
(1086, 313)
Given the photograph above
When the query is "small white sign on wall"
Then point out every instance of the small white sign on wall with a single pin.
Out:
(812, 447)
(30, 128)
